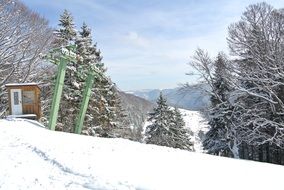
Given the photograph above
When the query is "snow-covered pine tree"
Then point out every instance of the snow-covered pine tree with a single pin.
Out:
(115, 114)
(72, 94)
(110, 115)
(215, 141)
(158, 132)
(167, 127)
(85, 48)
(221, 86)
(179, 134)
(66, 33)
(104, 112)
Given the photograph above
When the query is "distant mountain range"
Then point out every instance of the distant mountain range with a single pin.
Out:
(194, 98)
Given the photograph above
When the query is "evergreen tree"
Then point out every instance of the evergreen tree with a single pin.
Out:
(167, 127)
(115, 119)
(157, 132)
(71, 96)
(66, 33)
(179, 133)
(215, 141)
(85, 48)
(104, 112)
(109, 115)
(221, 85)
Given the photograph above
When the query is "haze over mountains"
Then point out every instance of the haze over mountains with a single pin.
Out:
(193, 99)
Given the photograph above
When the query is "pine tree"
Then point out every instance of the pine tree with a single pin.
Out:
(109, 115)
(71, 96)
(167, 128)
(215, 141)
(86, 65)
(66, 33)
(220, 80)
(157, 132)
(116, 115)
(179, 133)
(104, 112)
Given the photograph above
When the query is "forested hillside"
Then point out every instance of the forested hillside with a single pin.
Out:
(137, 110)
(246, 89)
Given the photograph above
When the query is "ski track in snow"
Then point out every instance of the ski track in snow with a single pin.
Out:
(35, 158)
(60, 177)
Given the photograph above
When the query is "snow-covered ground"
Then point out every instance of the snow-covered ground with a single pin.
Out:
(32, 157)
(197, 124)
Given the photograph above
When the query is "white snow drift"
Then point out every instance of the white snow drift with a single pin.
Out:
(197, 124)
(32, 157)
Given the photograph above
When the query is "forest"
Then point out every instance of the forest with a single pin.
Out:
(246, 112)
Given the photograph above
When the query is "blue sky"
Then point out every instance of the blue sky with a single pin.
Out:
(147, 44)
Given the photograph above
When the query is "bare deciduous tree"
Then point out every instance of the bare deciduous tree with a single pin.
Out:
(24, 35)
(258, 42)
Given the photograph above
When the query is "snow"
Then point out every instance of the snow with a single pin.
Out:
(197, 124)
(33, 157)
(22, 84)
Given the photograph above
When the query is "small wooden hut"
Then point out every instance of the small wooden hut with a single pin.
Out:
(24, 100)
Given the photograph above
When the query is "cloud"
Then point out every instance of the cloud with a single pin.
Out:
(147, 44)
(134, 39)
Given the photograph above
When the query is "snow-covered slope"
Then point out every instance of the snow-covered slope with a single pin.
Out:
(197, 124)
(36, 158)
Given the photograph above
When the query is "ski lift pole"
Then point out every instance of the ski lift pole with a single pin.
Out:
(85, 102)
(57, 93)
(61, 55)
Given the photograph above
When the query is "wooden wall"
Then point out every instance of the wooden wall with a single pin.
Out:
(30, 99)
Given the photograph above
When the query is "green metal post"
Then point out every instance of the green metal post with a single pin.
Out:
(57, 93)
(84, 104)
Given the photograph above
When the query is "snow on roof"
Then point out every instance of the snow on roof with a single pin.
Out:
(22, 84)
(37, 158)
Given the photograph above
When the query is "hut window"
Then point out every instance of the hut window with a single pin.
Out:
(28, 97)
(16, 98)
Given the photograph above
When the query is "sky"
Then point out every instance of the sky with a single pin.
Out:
(147, 44)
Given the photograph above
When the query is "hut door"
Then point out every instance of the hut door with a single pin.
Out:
(16, 97)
